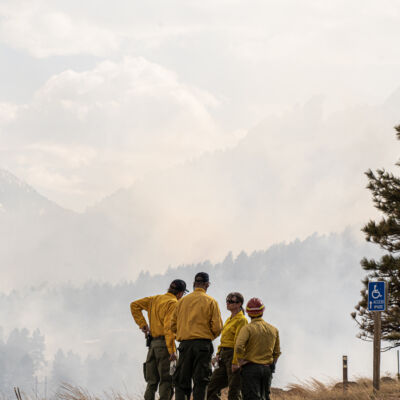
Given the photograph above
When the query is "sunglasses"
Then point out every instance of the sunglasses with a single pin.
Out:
(232, 302)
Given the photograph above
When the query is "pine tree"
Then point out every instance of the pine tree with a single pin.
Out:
(385, 188)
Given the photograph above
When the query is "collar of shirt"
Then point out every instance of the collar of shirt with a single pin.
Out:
(237, 316)
(199, 289)
(256, 319)
(170, 294)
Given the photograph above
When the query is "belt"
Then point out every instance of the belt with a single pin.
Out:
(253, 363)
(226, 348)
(159, 338)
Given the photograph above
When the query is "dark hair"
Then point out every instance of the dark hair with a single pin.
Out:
(201, 284)
(201, 280)
(202, 277)
(239, 297)
(174, 291)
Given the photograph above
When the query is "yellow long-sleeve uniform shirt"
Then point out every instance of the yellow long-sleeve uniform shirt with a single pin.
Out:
(230, 331)
(258, 342)
(197, 316)
(159, 309)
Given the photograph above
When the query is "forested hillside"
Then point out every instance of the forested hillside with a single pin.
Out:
(309, 288)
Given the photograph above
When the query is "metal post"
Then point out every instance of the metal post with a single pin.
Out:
(377, 349)
(398, 366)
(345, 375)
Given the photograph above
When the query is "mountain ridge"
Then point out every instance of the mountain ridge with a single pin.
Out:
(17, 196)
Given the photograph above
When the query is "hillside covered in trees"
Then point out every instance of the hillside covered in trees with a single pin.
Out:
(87, 336)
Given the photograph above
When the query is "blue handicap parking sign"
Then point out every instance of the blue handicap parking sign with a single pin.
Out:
(377, 296)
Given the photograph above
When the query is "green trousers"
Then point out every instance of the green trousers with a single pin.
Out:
(256, 381)
(156, 371)
(223, 377)
(194, 364)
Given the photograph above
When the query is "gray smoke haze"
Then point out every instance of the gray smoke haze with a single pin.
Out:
(309, 288)
(139, 139)
(288, 177)
(102, 102)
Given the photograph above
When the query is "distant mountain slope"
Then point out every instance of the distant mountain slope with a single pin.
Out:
(41, 241)
(18, 197)
(289, 177)
(29, 223)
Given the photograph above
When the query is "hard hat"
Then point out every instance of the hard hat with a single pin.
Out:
(255, 307)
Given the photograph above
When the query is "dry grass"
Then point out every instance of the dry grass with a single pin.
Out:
(311, 390)
(360, 390)
(69, 392)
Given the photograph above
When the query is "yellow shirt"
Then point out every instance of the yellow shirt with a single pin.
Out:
(159, 310)
(197, 316)
(258, 342)
(230, 331)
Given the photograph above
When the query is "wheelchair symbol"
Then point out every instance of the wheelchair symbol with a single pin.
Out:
(376, 294)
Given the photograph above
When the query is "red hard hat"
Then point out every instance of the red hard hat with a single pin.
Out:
(255, 307)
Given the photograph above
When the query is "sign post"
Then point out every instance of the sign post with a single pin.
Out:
(377, 300)
(345, 374)
(377, 350)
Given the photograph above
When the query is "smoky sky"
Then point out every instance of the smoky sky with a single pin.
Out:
(138, 141)
(174, 137)
(109, 94)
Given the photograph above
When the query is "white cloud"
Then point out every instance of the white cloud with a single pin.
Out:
(43, 31)
(262, 58)
(103, 128)
(304, 32)
(8, 113)
(113, 123)
(74, 158)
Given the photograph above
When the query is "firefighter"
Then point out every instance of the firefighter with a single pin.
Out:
(224, 375)
(197, 322)
(257, 349)
(159, 338)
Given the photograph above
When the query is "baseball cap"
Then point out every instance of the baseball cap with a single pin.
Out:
(179, 285)
(202, 277)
